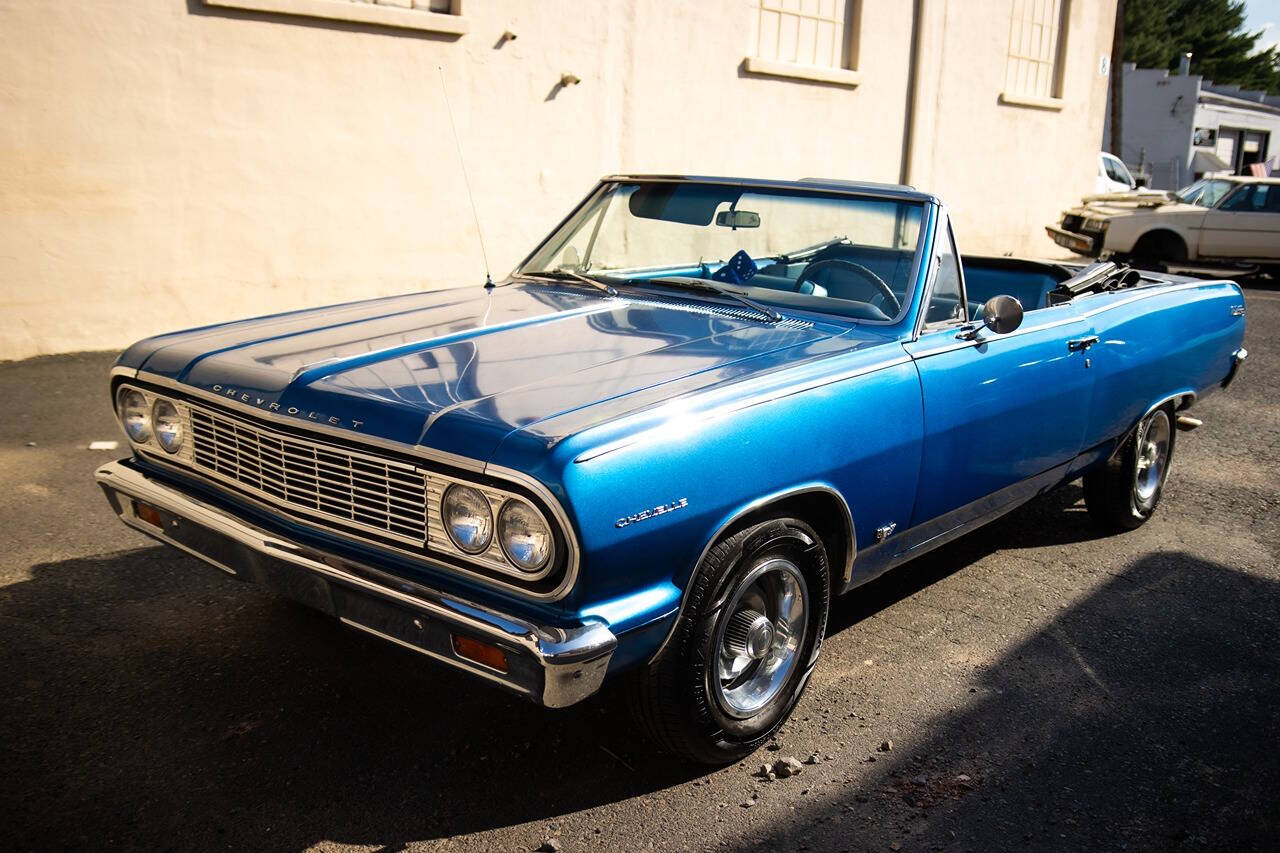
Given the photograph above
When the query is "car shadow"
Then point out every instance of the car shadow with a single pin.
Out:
(1142, 717)
(148, 698)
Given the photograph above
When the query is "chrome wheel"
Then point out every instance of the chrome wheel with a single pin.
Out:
(1152, 457)
(759, 635)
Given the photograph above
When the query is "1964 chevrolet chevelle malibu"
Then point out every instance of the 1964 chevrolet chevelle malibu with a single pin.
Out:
(697, 411)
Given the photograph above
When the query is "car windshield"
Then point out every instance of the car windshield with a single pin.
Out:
(1206, 192)
(807, 249)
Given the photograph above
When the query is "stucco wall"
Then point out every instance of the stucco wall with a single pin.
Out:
(1006, 171)
(166, 164)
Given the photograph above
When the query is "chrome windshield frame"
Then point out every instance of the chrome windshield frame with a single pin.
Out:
(876, 192)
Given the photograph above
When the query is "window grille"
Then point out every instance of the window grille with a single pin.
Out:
(1036, 40)
(805, 32)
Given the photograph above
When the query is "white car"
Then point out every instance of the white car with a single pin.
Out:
(1113, 175)
(1232, 220)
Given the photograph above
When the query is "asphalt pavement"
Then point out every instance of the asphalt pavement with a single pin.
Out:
(1033, 686)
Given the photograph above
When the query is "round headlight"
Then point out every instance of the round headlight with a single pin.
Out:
(167, 424)
(467, 518)
(135, 415)
(525, 537)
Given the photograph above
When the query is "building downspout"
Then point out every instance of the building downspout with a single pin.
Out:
(1116, 140)
(913, 77)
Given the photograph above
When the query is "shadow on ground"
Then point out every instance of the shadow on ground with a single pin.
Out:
(1144, 717)
(153, 703)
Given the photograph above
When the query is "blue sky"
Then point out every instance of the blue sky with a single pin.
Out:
(1264, 15)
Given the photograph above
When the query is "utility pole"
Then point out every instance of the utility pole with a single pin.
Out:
(1117, 83)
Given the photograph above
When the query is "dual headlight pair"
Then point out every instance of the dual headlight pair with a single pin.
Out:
(522, 533)
(142, 420)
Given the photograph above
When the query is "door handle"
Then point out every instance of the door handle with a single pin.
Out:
(1082, 343)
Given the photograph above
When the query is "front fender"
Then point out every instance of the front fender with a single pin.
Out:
(647, 503)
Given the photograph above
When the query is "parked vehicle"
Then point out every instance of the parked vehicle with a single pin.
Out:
(1113, 175)
(697, 411)
(1232, 220)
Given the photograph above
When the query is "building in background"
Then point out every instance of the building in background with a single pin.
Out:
(1179, 127)
(172, 163)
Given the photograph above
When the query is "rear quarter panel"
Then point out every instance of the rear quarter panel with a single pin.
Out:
(1156, 342)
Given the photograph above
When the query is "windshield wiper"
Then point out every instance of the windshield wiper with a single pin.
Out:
(688, 283)
(561, 275)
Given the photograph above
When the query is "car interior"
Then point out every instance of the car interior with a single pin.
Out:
(1027, 281)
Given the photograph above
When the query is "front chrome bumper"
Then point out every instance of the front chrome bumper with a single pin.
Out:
(554, 667)
(1083, 244)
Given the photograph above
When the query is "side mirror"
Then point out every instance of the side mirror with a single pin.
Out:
(1002, 314)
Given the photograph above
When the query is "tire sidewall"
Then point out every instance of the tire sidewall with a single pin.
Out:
(1137, 509)
(794, 541)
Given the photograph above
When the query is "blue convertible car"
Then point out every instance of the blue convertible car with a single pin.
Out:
(697, 411)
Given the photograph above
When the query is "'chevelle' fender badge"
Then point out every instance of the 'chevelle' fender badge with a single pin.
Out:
(644, 514)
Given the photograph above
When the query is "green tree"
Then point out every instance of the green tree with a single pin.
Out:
(1158, 32)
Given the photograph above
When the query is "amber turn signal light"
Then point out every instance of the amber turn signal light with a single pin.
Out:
(482, 653)
(148, 513)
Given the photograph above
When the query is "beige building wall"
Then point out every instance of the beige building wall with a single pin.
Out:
(169, 163)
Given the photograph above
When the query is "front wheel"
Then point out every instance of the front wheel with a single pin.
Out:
(1123, 493)
(743, 649)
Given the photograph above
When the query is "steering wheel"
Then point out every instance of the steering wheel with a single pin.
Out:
(867, 275)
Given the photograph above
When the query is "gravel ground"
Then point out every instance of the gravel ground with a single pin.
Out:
(1042, 687)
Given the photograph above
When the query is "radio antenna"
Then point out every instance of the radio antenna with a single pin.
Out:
(488, 279)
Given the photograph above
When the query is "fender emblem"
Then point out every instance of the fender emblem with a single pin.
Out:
(645, 514)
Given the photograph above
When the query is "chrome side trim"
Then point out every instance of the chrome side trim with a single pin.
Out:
(717, 412)
(953, 344)
(559, 516)
(760, 503)
(1181, 400)
(128, 372)
(572, 660)
(1142, 293)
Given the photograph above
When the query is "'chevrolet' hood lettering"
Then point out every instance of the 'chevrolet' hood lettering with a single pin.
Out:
(273, 406)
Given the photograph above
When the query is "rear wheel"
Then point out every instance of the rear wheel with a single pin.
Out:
(1123, 493)
(744, 647)
(1155, 251)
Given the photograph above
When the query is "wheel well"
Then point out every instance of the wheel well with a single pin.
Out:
(822, 510)
(1166, 244)
(1179, 402)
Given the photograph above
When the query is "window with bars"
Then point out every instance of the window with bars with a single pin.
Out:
(442, 16)
(1037, 38)
(810, 39)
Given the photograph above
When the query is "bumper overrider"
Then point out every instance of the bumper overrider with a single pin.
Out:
(552, 666)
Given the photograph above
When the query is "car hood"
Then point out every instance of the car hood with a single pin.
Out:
(458, 370)
(1129, 204)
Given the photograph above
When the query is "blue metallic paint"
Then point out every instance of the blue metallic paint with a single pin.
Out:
(615, 406)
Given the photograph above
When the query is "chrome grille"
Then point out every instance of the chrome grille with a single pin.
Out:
(323, 480)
